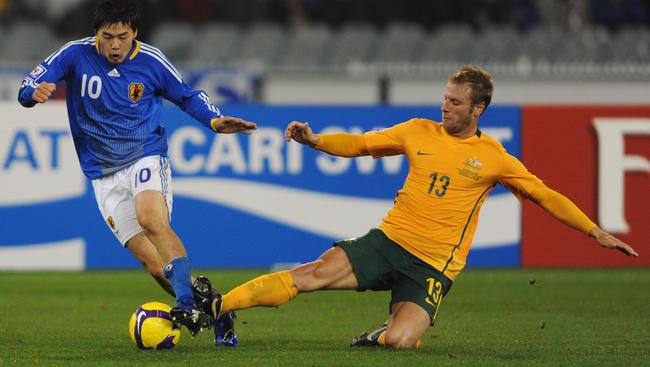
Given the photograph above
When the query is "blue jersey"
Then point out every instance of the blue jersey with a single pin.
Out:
(114, 110)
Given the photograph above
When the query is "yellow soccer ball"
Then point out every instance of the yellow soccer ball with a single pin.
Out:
(150, 327)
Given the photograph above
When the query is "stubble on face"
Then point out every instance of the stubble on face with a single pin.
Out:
(457, 110)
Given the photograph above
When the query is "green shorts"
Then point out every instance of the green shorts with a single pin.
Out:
(381, 264)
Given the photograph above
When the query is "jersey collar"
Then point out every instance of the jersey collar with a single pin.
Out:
(135, 50)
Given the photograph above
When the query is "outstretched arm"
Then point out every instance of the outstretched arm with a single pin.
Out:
(230, 125)
(343, 145)
(197, 104)
(563, 209)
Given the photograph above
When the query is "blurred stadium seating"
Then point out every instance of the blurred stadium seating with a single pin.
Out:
(515, 39)
(400, 48)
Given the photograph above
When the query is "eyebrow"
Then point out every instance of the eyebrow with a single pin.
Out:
(104, 33)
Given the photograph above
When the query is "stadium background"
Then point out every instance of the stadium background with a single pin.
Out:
(571, 100)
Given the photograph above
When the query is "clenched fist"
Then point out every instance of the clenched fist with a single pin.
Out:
(43, 92)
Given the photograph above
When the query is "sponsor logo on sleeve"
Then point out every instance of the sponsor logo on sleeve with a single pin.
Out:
(38, 72)
(28, 82)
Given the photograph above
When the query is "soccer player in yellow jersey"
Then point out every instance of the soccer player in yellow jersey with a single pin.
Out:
(421, 245)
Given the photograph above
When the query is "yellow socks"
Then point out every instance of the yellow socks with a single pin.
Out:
(382, 340)
(268, 290)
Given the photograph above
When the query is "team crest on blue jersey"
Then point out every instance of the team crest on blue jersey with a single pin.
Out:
(38, 71)
(135, 91)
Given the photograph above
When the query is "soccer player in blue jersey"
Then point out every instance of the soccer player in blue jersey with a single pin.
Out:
(115, 87)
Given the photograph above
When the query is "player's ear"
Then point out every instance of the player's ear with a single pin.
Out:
(478, 109)
(135, 33)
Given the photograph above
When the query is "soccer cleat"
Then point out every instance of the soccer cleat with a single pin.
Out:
(194, 320)
(369, 339)
(224, 330)
(209, 300)
(204, 295)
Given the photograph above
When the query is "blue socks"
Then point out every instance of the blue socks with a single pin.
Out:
(179, 274)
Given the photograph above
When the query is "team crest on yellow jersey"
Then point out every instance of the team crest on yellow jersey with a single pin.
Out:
(135, 91)
(474, 163)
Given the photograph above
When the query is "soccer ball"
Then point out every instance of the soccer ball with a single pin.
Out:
(151, 327)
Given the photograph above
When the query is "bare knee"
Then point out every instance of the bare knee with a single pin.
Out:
(151, 224)
(401, 339)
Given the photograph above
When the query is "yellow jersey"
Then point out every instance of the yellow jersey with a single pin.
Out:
(436, 212)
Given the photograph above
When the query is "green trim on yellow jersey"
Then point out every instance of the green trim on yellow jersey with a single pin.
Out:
(469, 218)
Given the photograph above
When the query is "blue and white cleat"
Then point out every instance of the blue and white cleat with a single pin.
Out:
(209, 300)
(224, 330)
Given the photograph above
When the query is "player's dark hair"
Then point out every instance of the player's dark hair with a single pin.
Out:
(479, 80)
(117, 11)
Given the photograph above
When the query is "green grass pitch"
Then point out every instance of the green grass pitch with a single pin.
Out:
(534, 317)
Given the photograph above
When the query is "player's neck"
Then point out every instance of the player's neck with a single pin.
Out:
(466, 133)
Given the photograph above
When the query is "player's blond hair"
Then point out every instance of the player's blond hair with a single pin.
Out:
(479, 79)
